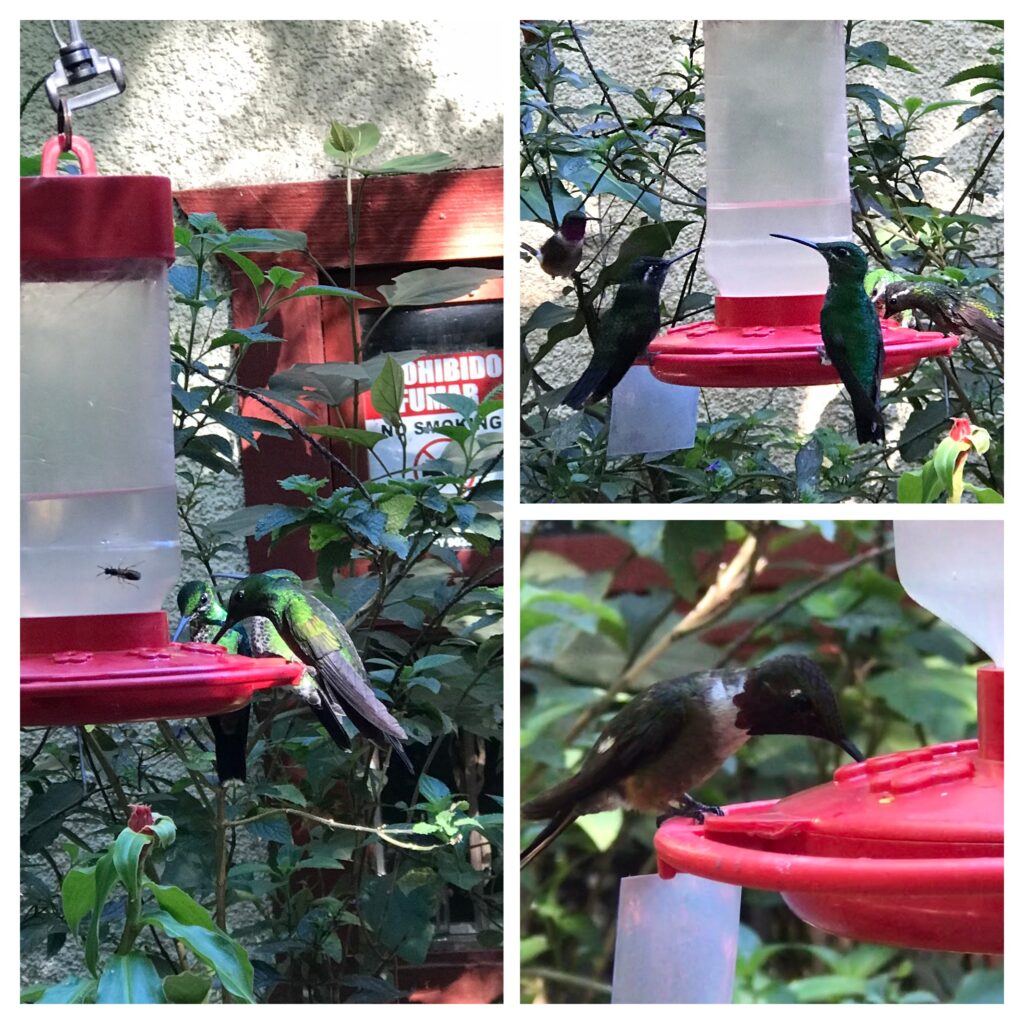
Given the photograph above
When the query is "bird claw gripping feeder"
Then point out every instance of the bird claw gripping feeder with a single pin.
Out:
(776, 163)
(99, 529)
(904, 849)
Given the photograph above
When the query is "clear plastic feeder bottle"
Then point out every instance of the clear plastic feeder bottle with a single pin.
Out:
(99, 531)
(776, 151)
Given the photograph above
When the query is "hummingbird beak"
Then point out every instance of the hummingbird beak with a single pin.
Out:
(802, 241)
(682, 256)
(850, 749)
(229, 575)
(223, 629)
(182, 623)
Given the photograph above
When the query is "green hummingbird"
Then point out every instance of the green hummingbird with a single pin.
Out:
(678, 733)
(338, 684)
(202, 614)
(560, 255)
(851, 333)
(625, 330)
(951, 311)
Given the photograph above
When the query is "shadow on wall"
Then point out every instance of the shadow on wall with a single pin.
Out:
(247, 101)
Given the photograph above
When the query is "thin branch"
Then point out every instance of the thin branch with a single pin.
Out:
(797, 596)
(384, 833)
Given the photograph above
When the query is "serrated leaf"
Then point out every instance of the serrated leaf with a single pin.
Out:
(425, 163)
(430, 286)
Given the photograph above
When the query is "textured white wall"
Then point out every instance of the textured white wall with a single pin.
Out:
(636, 52)
(244, 102)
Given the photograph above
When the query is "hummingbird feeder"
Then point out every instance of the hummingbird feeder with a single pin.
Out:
(99, 526)
(775, 163)
(906, 848)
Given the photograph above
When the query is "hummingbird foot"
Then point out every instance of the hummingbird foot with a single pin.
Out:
(690, 808)
(823, 356)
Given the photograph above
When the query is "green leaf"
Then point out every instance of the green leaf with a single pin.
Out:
(78, 895)
(131, 978)
(281, 516)
(246, 265)
(187, 987)
(980, 986)
(70, 990)
(680, 541)
(45, 812)
(106, 876)
(182, 907)
(531, 947)
(425, 163)
(126, 852)
(206, 223)
(431, 287)
(363, 438)
(460, 404)
(978, 71)
(388, 391)
(545, 316)
(282, 277)
(827, 988)
(349, 142)
(603, 828)
(324, 289)
(398, 509)
(262, 240)
(985, 495)
(223, 955)
(433, 789)
(402, 923)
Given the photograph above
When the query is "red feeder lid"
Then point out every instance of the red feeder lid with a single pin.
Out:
(90, 217)
(65, 683)
(904, 849)
(772, 341)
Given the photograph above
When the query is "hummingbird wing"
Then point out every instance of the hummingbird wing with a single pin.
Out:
(980, 320)
(636, 736)
(231, 730)
(341, 676)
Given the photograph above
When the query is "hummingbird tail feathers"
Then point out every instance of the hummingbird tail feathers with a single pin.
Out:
(596, 383)
(399, 750)
(230, 733)
(551, 831)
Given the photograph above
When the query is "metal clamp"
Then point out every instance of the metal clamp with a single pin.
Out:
(79, 62)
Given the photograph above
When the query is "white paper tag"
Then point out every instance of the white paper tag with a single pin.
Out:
(649, 415)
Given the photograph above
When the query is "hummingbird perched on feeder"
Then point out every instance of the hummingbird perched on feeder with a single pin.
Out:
(337, 683)
(949, 310)
(202, 614)
(560, 255)
(851, 333)
(678, 733)
(625, 330)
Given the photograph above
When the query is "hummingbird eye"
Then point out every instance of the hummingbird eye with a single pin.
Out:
(801, 700)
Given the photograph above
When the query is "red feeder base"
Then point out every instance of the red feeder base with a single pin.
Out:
(904, 849)
(764, 342)
(120, 668)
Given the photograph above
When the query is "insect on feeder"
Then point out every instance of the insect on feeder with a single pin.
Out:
(776, 163)
(99, 528)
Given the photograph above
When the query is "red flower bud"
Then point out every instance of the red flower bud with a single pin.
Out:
(961, 429)
(141, 818)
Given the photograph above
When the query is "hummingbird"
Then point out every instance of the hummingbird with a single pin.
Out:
(337, 684)
(202, 613)
(678, 733)
(948, 309)
(560, 255)
(625, 330)
(851, 333)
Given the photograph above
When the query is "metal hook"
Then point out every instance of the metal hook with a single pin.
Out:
(64, 125)
(78, 63)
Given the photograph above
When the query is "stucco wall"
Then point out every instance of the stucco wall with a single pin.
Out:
(635, 52)
(219, 103)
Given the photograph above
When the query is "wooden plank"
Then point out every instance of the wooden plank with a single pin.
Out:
(405, 218)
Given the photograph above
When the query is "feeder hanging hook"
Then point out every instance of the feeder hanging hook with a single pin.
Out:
(79, 62)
